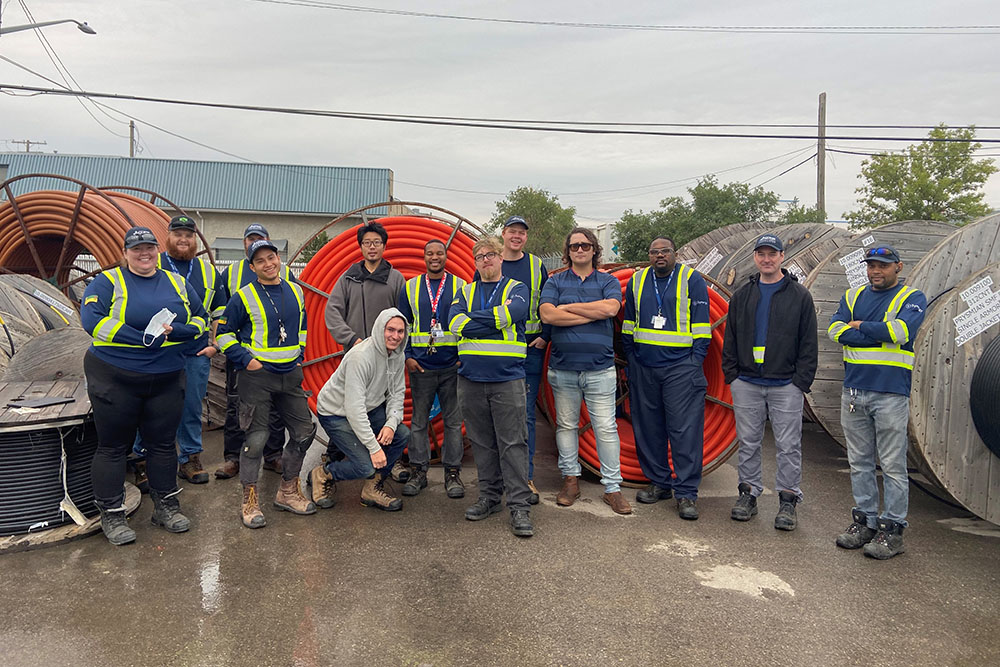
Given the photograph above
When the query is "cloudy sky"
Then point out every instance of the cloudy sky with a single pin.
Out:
(307, 54)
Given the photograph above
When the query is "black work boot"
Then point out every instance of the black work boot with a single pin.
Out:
(652, 494)
(453, 485)
(785, 519)
(888, 541)
(481, 509)
(115, 527)
(858, 534)
(167, 512)
(687, 509)
(417, 482)
(520, 523)
(746, 504)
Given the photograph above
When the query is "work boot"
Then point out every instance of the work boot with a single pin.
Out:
(167, 511)
(617, 502)
(417, 481)
(888, 541)
(290, 498)
(229, 468)
(250, 510)
(481, 509)
(858, 534)
(533, 497)
(520, 523)
(115, 527)
(686, 509)
(275, 465)
(322, 487)
(192, 470)
(373, 494)
(400, 473)
(652, 494)
(785, 519)
(140, 480)
(746, 505)
(453, 486)
(569, 492)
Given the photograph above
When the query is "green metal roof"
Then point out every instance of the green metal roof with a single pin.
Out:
(196, 184)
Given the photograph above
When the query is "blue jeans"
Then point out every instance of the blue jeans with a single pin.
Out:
(877, 427)
(533, 364)
(753, 404)
(189, 430)
(597, 389)
(358, 464)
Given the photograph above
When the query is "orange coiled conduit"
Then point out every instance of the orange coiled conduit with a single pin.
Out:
(720, 425)
(405, 251)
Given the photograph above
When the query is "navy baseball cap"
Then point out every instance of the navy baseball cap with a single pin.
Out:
(515, 220)
(182, 222)
(139, 235)
(258, 245)
(883, 253)
(256, 228)
(769, 241)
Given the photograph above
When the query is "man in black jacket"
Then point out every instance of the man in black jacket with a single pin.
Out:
(769, 358)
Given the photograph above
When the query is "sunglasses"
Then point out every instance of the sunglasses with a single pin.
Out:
(880, 252)
(581, 246)
(486, 255)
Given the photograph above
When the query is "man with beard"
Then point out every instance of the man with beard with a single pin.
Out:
(179, 258)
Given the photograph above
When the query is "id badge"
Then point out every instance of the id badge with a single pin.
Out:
(659, 321)
(437, 331)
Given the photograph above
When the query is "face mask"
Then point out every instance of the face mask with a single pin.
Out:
(156, 323)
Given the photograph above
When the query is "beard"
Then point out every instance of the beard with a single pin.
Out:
(184, 255)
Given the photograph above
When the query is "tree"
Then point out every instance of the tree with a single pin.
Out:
(548, 221)
(310, 249)
(797, 213)
(711, 207)
(933, 180)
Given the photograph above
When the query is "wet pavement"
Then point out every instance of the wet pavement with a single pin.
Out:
(356, 586)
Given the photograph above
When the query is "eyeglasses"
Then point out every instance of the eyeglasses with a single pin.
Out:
(581, 246)
(654, 252)
(371, 244)
(486, 255)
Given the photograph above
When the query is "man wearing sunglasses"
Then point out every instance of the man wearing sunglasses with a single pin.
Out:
(579, 304)
(666, 334)
(876, 324)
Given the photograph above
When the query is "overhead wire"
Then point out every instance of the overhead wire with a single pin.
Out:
(792, 168)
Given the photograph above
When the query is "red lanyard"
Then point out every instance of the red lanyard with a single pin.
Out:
(434, 299)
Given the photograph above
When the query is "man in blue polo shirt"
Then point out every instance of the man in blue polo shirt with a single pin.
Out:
(579, 304)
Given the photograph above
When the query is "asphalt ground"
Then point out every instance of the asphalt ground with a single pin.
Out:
(356, 586)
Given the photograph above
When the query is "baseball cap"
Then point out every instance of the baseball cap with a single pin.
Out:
(515, 220)
(257, 245)
(182, 222)
(883, 253)
(769, 241)
(139, 235)
(255, 228)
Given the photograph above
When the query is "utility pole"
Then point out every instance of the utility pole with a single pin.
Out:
(821, 160)
(131, 138)
(28, 143)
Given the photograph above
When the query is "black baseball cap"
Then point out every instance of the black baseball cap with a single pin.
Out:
(259, 245)
(883, 253)
(139, 235)
(769, 241)
(515, 220)
(182, 222)
(256, 228)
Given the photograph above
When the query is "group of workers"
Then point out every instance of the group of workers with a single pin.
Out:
(479, 348)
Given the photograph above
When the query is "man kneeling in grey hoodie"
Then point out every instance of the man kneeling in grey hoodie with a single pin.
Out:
(361, 409)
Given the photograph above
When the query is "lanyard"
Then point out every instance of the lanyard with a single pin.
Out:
(486, 304)
(282, 334)
(661, 296)
(434, 298)
(173, 267)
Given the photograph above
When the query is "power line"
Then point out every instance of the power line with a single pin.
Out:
(793, 167)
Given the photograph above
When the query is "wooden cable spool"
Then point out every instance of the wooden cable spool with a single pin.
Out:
(717, 244)
(827, 283)
(52, 355)
(55, 308)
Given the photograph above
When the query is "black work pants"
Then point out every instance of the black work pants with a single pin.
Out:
(233, 436)
(123, 402)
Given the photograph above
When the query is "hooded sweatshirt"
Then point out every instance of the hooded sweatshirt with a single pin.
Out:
(368, 376)
(357, 299)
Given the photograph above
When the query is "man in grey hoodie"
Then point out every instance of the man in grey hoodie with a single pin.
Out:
(361, 409)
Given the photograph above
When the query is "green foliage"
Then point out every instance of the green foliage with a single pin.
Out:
(548, 221)
(711, 206)
(933, 180)
(313, 247)
(797, 213)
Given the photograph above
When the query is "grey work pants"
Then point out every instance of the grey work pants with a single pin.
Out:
(753, 404)
(423, 386)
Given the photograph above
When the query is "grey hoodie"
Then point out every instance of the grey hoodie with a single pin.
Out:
(368, 376)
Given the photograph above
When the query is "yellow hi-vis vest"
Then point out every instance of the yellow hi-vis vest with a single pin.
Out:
(208, 279)
(886, 354)
(419, 337)
(685, 333)
(534, 323)
(507, 345)
(258, 347)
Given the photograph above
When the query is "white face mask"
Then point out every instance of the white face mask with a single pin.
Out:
(156, 323)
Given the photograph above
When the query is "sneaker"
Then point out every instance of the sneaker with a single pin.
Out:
(192, 470)
(290, 498)
(652, 494)
(785, 519)
(417, 481)
(686, 509)
(140, 480)
(274, 465)
(250, 509)
(322, 487)
(617, 502)
(229, 468)
(533, 497)
(115, 528)
(481, 509)
(167, 512)
(400, 473)
(888, 541)
(520, 523)
(453, 485)
(858, 534)
(373, 494)
(746, 505)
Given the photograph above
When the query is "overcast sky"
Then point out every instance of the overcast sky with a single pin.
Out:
(276, 54)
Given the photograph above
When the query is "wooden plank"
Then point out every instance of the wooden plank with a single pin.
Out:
(78, 408)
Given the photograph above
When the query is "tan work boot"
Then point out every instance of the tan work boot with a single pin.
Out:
(373, 494)
(290, 498)
(569, 492)
(192, 470)
(323, 487)
(618, 503)
(252, 516)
